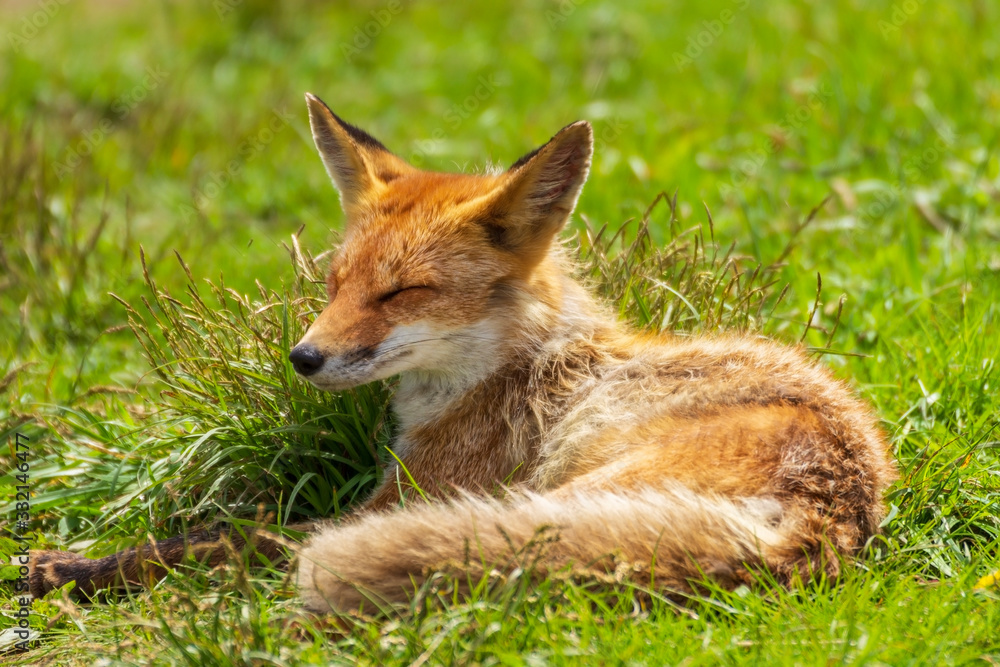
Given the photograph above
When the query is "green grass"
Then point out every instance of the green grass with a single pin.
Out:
(156, 392)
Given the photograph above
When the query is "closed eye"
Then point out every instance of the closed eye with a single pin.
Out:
(388, 296)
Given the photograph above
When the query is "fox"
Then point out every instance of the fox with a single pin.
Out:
(525, 409)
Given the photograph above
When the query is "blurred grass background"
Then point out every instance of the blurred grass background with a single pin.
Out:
(180, 128)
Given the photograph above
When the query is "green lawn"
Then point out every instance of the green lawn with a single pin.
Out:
(156, 395)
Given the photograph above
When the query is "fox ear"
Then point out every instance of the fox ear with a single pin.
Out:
(357, 162)
(540, 192)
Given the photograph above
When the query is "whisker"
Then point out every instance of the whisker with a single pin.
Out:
(450, 338)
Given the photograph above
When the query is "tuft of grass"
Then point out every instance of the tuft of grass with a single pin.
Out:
(689, 284)
(231, 428)
(253, 431)
(60, 252)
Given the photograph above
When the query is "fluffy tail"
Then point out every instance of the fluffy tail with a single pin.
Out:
(668, 536)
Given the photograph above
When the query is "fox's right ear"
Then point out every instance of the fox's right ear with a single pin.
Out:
(357, 162)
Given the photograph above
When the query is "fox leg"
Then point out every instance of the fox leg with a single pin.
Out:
(143, 566)
(140, 566)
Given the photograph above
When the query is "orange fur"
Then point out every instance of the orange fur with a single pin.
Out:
(669, 457)
(615, 453)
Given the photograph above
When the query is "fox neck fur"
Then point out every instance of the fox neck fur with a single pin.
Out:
(529, 336)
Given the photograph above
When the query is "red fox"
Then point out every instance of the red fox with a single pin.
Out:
(662, 457)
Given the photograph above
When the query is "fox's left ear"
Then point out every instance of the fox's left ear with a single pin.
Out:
(540, 192)
(357, 162)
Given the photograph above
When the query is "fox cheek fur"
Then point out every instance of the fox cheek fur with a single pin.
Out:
(404, 332)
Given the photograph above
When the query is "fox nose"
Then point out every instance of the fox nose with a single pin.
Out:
(306, 359)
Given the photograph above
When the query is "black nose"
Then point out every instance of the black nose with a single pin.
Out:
(306, 359)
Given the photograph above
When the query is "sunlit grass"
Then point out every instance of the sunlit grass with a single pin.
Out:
(857, 144)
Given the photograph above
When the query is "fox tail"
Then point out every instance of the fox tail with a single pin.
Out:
(671, 537)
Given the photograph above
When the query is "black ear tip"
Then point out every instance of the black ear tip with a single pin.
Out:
(582, 127)
(577, 126)
(574, 133)
(315, 103)
(580, 132)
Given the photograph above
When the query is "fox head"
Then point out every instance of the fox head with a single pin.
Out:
(432, 265)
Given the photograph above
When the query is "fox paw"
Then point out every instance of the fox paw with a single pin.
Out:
(48, 570)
